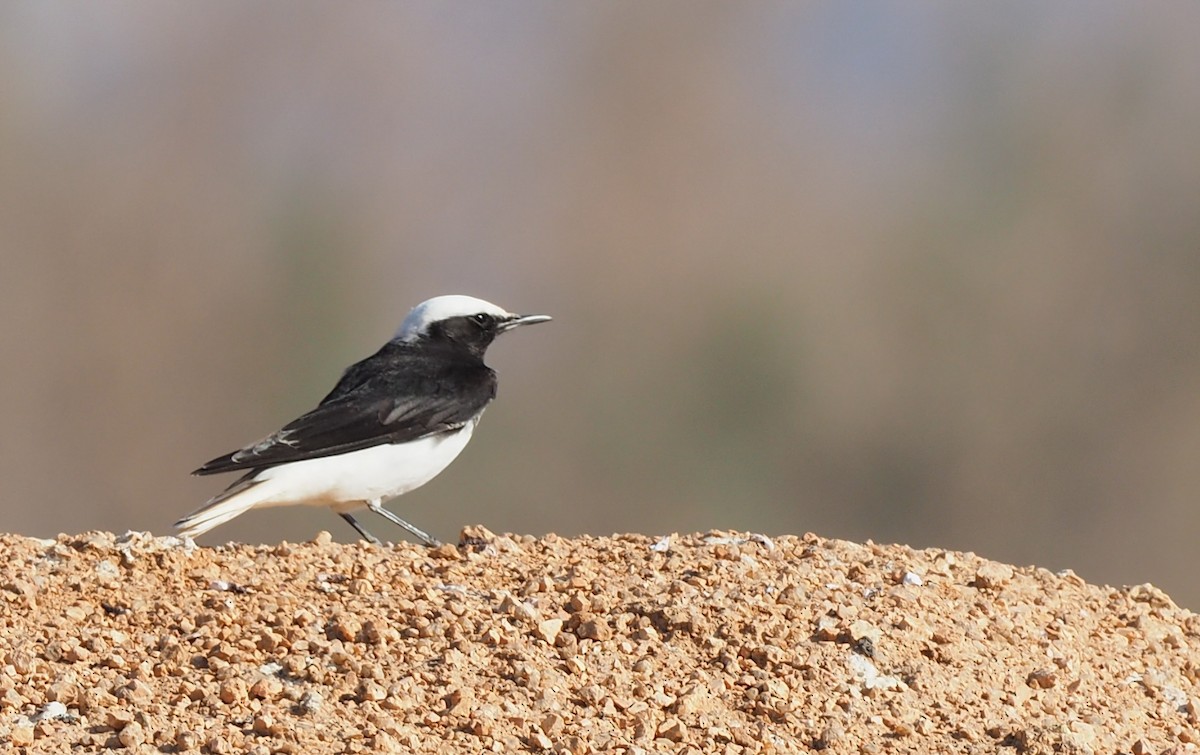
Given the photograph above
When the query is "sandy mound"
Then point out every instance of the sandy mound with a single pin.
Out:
(720, 643)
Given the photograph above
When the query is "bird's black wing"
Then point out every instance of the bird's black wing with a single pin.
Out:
(394, 396)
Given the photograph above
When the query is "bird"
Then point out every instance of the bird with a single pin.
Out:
(391, 424)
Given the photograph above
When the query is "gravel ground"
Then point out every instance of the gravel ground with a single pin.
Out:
(716, 643)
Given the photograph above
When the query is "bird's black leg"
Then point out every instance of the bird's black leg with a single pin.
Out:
(421, 535)
(361, 530)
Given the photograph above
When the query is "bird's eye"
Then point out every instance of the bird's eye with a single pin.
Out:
(482, 320)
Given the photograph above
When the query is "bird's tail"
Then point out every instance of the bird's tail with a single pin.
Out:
(239, 497)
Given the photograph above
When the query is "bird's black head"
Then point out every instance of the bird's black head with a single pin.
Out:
(461, 321)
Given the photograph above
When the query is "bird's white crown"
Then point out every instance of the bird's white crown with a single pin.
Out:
(440, 308)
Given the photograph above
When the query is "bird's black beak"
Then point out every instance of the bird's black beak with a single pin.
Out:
(519, 320)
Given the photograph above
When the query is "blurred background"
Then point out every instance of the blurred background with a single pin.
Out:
(924, 274)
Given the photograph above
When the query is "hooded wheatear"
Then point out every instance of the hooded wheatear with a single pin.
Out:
(391, 424)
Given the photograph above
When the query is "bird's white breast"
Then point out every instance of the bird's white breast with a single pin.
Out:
(348, 481)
